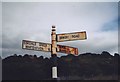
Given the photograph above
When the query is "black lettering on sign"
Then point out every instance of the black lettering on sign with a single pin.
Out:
(48, 49)
(30, 47)
(30, 43)
(42, 44)
(62, 49)
(63, 37)
(75, 36)
(38, 48)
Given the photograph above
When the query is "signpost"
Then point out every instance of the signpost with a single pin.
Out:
(54, 48)
(71, 36)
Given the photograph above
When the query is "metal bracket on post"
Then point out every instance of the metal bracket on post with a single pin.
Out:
(54, 53)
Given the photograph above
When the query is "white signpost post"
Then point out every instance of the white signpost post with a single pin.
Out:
(54, 48)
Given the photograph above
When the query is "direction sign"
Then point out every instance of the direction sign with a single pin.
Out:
(67, 49)
(53, 47)
(71, 36)
(38, 46)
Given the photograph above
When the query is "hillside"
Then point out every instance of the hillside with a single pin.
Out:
(87, 66)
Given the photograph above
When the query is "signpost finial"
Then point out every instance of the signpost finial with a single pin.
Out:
(53, 26)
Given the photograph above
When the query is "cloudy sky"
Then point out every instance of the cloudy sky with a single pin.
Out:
(33, 21)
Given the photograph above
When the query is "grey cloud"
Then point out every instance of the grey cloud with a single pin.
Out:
(33, 21)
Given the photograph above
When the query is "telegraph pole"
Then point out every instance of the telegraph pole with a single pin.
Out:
(54, 53)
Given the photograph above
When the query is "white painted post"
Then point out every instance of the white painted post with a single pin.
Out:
(54, 72)
(54, 45)
(54, 52)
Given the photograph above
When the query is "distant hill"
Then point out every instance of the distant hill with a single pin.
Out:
(87, 66)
